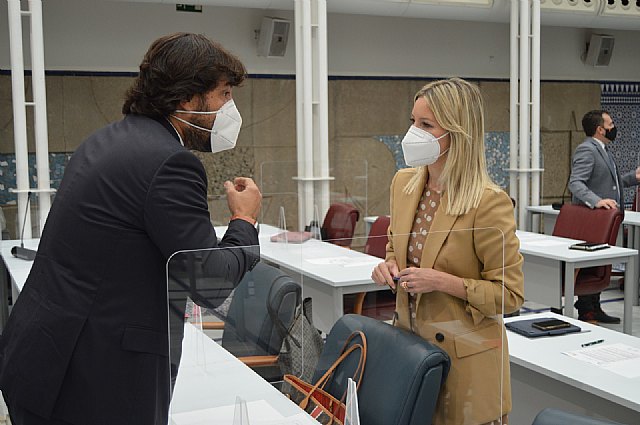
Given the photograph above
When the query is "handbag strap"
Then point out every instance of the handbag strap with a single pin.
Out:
(345, 352)
(363, 356)
(328, 373)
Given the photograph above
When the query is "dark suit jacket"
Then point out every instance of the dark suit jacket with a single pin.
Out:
(87, 340)
(592, 179)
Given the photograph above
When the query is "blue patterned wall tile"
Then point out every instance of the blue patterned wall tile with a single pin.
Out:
(622, 100)
(57, 163)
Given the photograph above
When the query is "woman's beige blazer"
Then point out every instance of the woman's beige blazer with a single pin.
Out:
(481, 247)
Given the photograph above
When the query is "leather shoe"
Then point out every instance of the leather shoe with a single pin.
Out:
(598, 316)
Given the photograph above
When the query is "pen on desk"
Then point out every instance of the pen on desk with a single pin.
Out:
(588, 344)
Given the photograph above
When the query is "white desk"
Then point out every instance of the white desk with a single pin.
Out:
(544, 256)
(324, 283)
(631, 220)
(549, 216)
(209, 380)
(541, 376)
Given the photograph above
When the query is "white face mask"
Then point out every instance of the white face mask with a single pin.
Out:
(226, 127)
(421, 147)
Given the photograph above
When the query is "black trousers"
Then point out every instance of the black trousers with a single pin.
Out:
(587, 303)
(21, 416)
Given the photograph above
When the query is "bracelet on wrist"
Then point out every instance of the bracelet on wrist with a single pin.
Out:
(246, 218)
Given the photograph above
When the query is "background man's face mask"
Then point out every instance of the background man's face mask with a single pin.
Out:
(226, 127)
(611, 133)
(421, 147)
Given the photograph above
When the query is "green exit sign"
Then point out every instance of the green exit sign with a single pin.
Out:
(181, 7)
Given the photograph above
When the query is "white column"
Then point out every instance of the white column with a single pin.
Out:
(321, 107)
(19, 117)
(523, 199)
(312, 130)
(536, 173)
(40, 112)
(513, 101)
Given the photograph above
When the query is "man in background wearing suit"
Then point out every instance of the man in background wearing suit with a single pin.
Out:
(596, 182)
(87, 340)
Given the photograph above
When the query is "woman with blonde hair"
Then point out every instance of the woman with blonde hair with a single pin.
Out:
(453, 252)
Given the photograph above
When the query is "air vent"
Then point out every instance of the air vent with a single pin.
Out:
(621, 8)
(584, 6)
(474, 3)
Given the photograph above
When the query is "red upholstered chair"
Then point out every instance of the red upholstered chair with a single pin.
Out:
(340, 223)
(377, 246)
(377, 240)
(598, 225)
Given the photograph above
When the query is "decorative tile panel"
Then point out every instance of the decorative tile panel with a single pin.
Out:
(57, 163)
(622, 101)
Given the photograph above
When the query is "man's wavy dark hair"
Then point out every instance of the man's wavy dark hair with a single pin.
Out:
(177, 67)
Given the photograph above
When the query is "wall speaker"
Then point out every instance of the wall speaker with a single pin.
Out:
(599, 50)
(274, 33)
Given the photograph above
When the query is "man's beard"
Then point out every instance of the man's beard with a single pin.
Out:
(196, 139)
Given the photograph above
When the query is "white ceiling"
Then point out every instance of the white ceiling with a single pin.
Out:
(600, 15)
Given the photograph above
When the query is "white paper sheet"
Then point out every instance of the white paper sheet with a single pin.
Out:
(530, 236)
(621, 359)
(371, 263)
(334, 261)
(546, 242)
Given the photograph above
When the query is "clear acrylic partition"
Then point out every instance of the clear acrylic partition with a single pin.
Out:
(471, 332)
(221, 321)
(281, 188)
(210, 377)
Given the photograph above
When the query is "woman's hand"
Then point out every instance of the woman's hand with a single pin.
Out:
(417, 280)
(384, 273)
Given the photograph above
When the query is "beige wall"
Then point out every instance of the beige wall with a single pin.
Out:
(358, 110)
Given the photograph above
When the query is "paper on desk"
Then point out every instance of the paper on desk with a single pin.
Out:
(546, 242)
(530, 236)
(617, 358)
(342, 261)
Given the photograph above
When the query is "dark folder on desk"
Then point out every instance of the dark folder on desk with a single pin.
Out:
(524, 327)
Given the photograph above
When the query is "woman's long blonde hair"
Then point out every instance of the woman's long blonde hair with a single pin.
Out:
(457, 107)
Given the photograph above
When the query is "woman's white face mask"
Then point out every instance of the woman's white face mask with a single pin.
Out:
(226, 127)
(421, 147)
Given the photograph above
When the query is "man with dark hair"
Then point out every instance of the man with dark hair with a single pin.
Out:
(596, 182)
(87, 340)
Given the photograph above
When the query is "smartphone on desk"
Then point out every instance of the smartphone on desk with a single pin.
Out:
(589, 246)
(550, 324)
